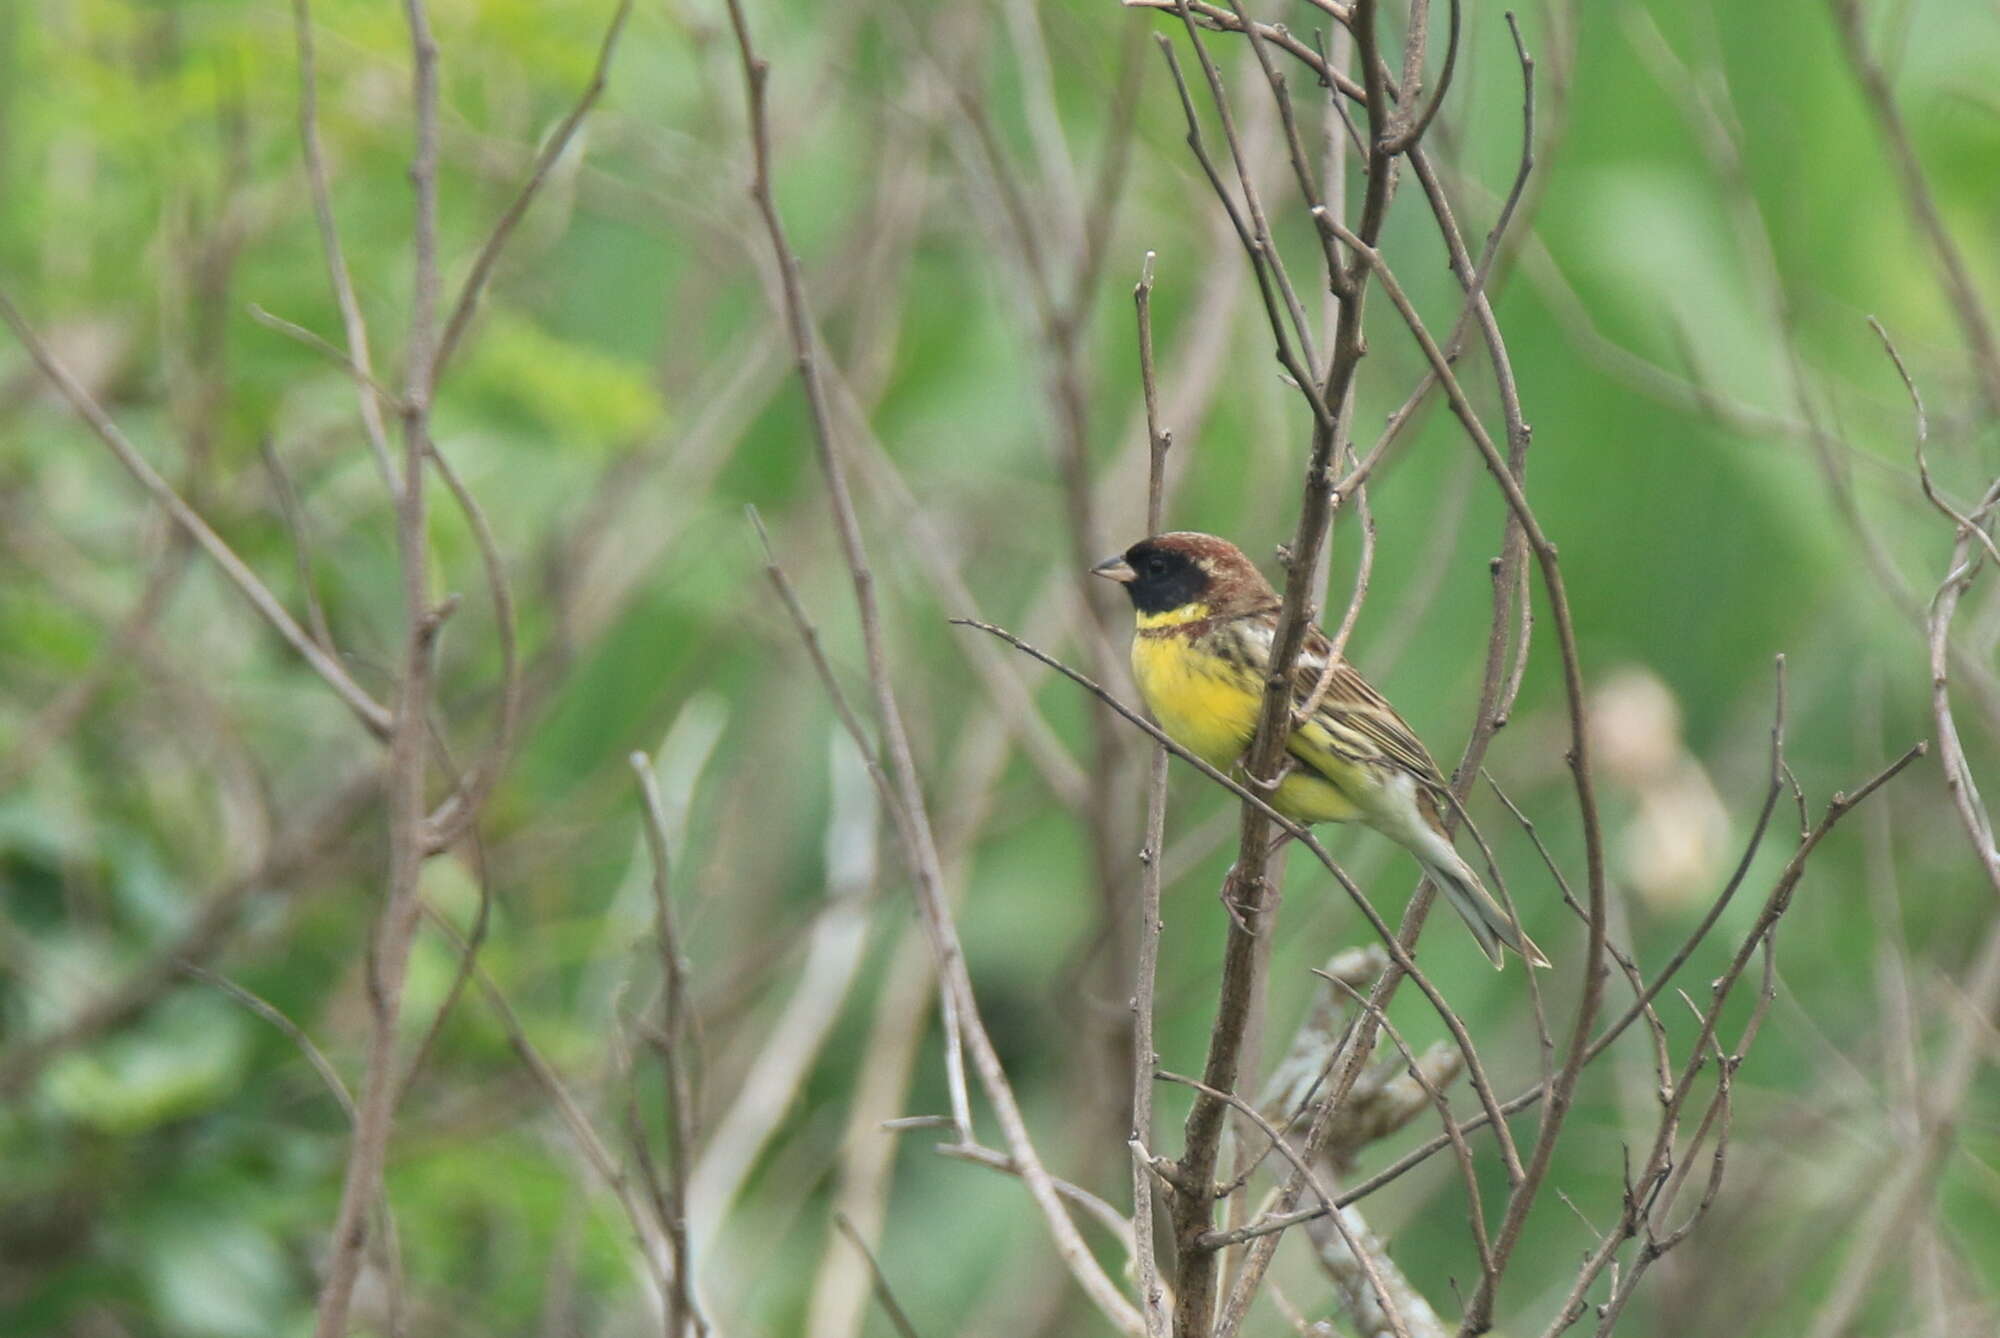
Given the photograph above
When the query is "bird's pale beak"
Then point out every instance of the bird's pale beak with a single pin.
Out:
(1115, 569)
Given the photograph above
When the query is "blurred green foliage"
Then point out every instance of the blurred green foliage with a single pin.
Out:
(625, 391)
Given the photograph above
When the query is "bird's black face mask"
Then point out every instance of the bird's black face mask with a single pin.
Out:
(1158, 579)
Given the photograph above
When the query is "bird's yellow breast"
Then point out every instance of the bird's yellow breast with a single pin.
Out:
(1205, 703)
(1208, 704)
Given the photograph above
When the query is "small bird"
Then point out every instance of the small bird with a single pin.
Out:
(1207, 619)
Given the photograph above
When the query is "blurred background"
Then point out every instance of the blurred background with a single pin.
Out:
(192, 852)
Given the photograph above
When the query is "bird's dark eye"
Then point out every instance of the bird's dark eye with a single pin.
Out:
(1156, 565)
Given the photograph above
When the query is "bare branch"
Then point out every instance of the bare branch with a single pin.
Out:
(1246, 887)
(409, 743)
(1415, 123)
(1152, 1298)
(673, 1046)
(920, 845)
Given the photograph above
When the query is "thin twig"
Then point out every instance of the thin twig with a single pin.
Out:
(373, 397)
(1963, 523)
(1261, 246)
(363, 377)
(898, 1318)
(552, 150)
(296, 1034)
(1099, 1211)
(673, 1049)
(1618, 954)
(456, 813)
(1954, 276)
(374, 716)
(475, 939)
(648, 1232)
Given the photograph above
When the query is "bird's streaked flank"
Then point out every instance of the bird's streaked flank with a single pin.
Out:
(1207, 619)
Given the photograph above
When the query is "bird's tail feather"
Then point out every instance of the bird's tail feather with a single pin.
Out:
(1486, 918)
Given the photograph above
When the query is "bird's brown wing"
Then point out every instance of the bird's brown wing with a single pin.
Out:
(1358, 717)
(1360, 724)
